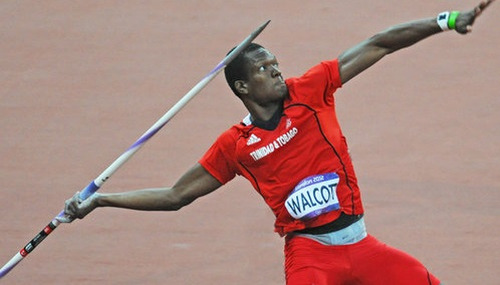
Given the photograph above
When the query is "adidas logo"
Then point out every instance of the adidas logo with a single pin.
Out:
(253, 139)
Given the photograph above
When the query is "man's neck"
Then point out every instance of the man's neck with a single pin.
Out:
(270, 120)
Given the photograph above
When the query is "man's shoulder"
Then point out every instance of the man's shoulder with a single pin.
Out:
(238, 129)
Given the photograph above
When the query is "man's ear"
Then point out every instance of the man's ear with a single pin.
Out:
(241, 86)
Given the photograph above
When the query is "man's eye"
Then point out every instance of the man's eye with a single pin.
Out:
(262, 68)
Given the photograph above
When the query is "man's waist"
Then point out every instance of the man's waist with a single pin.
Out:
(343, 221)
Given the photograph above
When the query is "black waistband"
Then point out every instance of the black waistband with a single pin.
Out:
(343, 221)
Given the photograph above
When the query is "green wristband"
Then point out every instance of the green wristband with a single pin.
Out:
(452, 20)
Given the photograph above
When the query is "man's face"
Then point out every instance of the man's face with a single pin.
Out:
(265, 83)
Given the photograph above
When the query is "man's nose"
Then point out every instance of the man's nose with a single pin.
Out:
(276, 71)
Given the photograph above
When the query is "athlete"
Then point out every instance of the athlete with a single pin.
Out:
(292, 150)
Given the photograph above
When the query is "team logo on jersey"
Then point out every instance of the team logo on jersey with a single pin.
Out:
(253, 139)
(288, 123)
(280, 141)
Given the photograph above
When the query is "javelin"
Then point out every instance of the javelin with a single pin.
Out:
(106, 174)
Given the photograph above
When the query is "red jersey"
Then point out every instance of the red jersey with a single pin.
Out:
(307, 145)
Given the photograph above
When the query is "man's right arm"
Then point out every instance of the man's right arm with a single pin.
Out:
(195, 183)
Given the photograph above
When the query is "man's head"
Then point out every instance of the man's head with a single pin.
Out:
(237, 69)
(254, 72)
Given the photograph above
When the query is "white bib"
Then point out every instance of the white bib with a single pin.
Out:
(314, 196)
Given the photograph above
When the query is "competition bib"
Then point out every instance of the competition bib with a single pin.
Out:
(314, 196)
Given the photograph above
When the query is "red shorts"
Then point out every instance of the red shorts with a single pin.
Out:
(366, 262)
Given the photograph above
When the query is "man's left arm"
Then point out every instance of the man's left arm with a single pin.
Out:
(358, 58)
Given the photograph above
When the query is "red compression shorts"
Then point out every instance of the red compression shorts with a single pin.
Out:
(366, 262)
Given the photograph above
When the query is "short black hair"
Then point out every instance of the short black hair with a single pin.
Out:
(236, 69)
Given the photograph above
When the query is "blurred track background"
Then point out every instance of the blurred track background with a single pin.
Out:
(81, 80)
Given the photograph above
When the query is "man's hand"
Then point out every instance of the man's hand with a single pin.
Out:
(465, 20)
(76, 208)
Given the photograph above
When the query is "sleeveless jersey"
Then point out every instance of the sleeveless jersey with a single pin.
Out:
(307, 142)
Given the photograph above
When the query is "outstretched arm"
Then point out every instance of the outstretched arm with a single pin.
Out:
(195, 183)
(358, 58)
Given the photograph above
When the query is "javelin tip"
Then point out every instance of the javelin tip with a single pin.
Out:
(262, 27)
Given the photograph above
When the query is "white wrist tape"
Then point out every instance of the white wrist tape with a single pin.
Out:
(442, 20)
